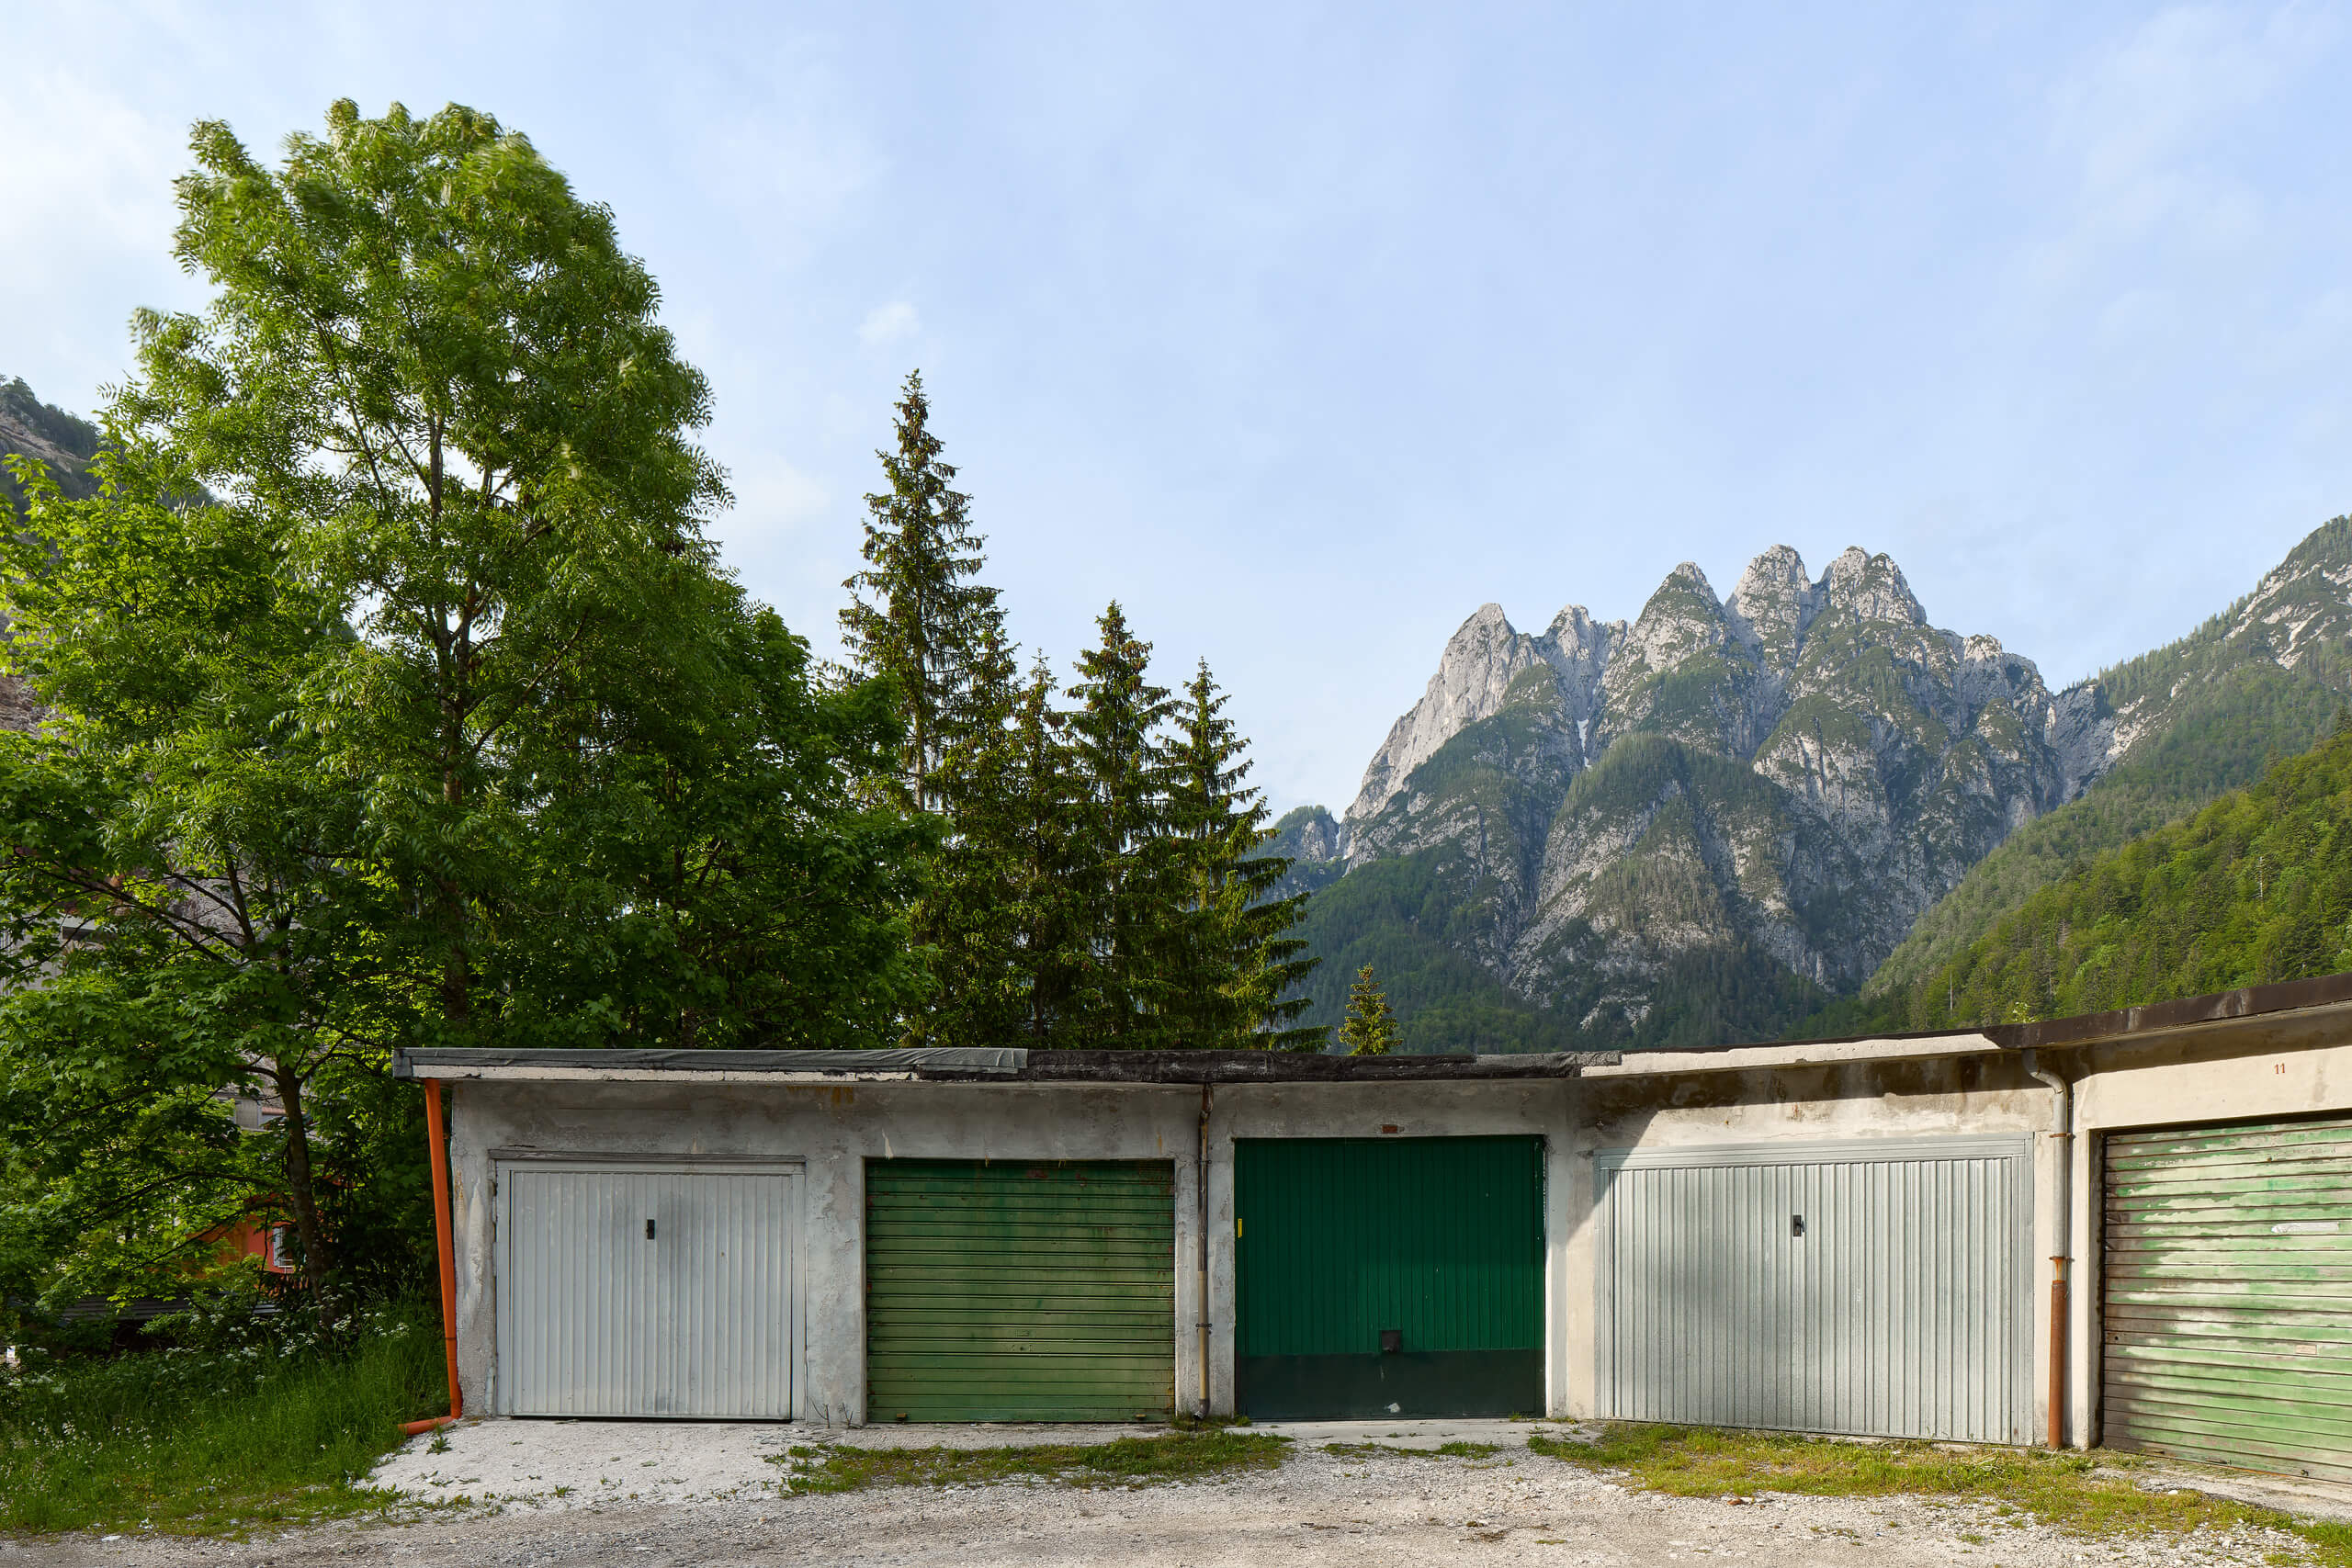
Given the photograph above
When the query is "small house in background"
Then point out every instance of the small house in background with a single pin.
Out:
(2134, 1227)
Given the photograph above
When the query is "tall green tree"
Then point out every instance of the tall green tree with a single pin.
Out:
(1231, 962)
(1369, 1027)
(918, 617)
(1129, 866)
(442, 725)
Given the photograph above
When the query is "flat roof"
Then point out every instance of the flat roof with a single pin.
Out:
(952, 1065)
(2285, 1012)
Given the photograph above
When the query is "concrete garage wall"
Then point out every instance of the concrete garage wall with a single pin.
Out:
(1541, 1108)
(1674, 1101)
(833, 1129)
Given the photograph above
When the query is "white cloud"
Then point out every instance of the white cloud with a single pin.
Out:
(886, 324)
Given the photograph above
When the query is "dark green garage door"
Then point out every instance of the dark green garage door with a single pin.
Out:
(1015, 1292)
(1389, 1276)
(2229, 1295)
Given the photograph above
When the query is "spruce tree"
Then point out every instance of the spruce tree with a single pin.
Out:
(916, 616)
(1127, 868)
(1370, 1028)
(1230, 963)
(972, 907)
(1049, 850)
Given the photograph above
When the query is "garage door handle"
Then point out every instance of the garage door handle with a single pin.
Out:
(649, 1230)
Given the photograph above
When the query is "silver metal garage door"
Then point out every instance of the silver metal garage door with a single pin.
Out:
(647, 1290)
(1869, 1287)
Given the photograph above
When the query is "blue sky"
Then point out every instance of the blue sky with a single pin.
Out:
(1304, 329)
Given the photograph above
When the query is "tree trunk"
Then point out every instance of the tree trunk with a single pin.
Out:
(302, 1192)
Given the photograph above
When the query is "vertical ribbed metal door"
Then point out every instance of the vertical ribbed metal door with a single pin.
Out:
(1019, 1290)
(2228, 1287)
(646, 1291)
(1870, 1288)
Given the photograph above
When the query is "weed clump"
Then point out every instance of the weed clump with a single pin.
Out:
(1123, 1462)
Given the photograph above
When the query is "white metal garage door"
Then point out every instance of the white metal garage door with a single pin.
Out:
(647, 1290)
(1869, 1287)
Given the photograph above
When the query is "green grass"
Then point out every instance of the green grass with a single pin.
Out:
(1123, 1462)
(2077, 1493)
(212, 1442)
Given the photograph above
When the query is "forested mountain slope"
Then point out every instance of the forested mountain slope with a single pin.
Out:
(31, 428)
(2202, 716)
(2255, 887)
(1730, 817)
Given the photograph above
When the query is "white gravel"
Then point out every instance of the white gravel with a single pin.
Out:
(1320, 1508)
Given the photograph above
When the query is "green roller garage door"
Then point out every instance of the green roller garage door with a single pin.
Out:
(1389, 1276)
(2228, 1310)
(1008, 1290)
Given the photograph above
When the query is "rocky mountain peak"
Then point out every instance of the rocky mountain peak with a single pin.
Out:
(1773, 605)
(1871, 588)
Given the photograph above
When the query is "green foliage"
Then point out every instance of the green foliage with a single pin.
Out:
(2257, 888)
(262, 1431)
(444, 727)
(928, 624)
(1099, 877)
(1369, 1027)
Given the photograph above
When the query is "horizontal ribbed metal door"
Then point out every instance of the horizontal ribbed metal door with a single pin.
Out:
(646, 1291)
(1873, 1288)
(1019, 1290)
(2228, 1295)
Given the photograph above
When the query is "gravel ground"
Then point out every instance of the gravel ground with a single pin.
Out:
(1320, 1508)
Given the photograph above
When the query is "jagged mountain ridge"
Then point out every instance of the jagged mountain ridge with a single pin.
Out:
(2189, 722)
(1757, 793)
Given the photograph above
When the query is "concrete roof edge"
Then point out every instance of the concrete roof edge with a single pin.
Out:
(952, 1065)
(1800, 1053)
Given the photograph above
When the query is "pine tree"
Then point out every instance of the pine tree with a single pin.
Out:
(1370, 1029)
(1229, 962)
(1127, 868)
(925, 623)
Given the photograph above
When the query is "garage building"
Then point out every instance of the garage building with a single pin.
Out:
(2134, 1227)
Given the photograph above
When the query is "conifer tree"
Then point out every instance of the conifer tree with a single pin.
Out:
(1230, 963)
(973, 905)
(1049, 850)
(1125, 864)
(1370, 1028)
(916, 616)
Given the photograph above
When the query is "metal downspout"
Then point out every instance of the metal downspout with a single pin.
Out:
(1201, 1181)
(2062, 1132)
(436, 1138)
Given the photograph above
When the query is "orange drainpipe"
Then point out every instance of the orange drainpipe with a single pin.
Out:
(436, 1137)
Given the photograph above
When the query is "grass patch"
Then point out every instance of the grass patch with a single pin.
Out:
(213, 1442)
(1123, 1462)
(2055, 1489)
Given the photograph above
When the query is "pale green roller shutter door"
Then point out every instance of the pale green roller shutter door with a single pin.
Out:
(1019, 1290)
(2228, 1295)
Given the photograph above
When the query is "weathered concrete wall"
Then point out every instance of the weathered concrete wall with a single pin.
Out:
(1634, 1107)
(2249, 1068)
(830, 1131)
